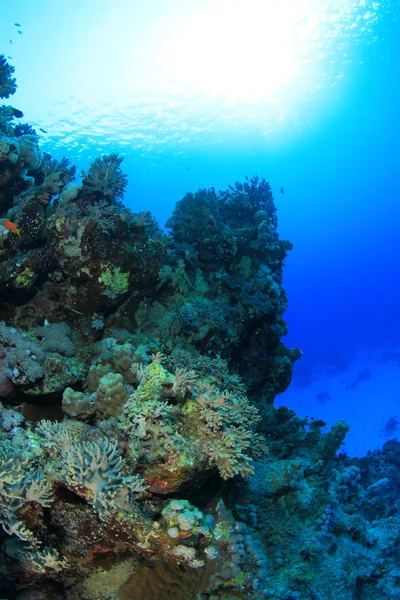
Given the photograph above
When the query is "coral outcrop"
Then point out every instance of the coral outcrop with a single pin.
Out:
(141, 456)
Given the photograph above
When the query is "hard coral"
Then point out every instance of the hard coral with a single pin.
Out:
(77, 404)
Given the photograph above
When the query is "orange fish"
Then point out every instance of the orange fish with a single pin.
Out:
(10, 226)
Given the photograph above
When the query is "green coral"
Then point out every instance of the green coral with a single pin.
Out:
(25, 278)
(115, 280)
(151, 386)
(184, 417)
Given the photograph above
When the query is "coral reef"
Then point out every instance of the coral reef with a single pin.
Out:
(141, 455)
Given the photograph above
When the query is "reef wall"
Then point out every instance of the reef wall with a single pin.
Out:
(141, 455)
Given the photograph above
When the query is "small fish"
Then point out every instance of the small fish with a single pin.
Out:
(17, 24)
(43, 130)
(19, 31)
(282, 190)
(77, 312)
(10, 41)
(18, 114)
(11, 227)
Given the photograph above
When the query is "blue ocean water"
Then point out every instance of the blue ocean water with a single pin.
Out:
(201, 94)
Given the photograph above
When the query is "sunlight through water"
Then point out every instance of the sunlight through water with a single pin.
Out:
(170, 76)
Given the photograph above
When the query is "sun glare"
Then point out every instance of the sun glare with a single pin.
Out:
(232, 55)
(149, 74)
(252, 51)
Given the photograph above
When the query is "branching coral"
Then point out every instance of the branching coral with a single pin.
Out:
(8, 85)
(232, 420)
(104, 180)
(202, 424)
